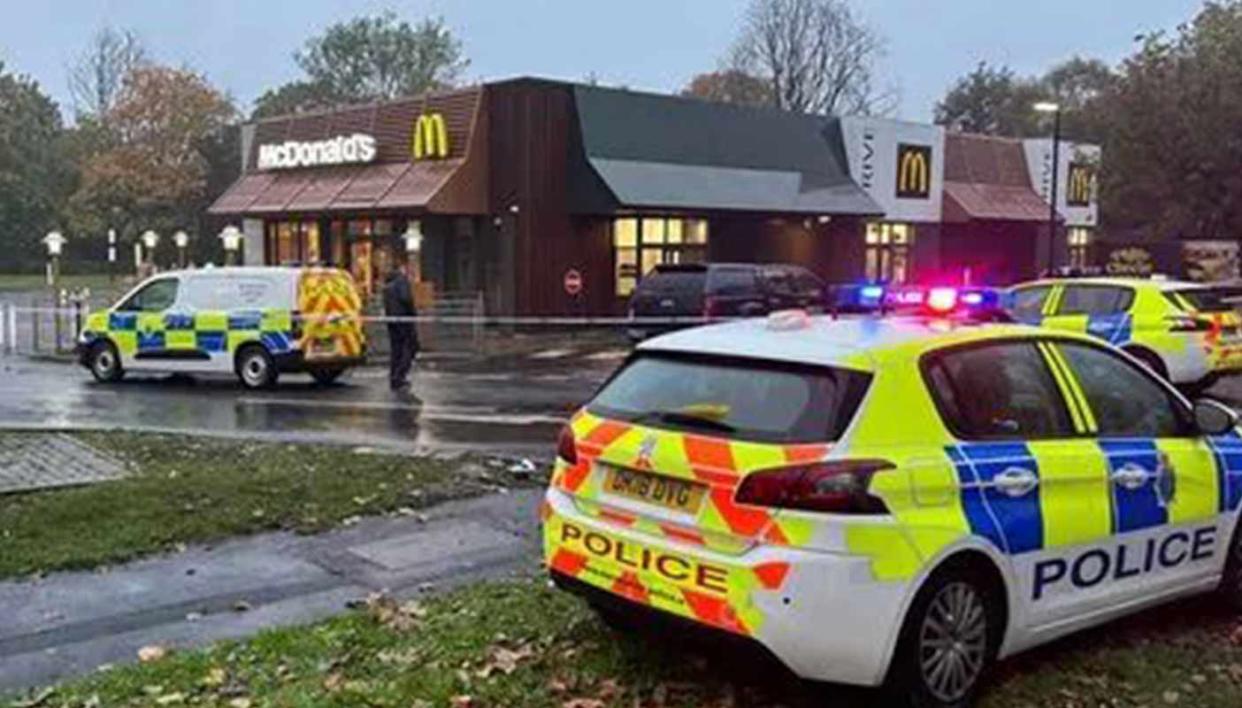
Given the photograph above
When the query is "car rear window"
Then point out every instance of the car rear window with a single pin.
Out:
(735, 398)
(732, 281)
(1206, 299)
(669, 282)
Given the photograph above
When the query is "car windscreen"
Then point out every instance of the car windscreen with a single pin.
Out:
(1208, 299)
(733, 397)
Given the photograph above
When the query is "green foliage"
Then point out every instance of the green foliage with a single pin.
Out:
(34, 177)
(1170, 124)
(991, 101)
(367, 59)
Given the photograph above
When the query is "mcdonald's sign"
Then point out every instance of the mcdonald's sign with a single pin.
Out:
(913, 171)
(1079, 191)
(430, 137)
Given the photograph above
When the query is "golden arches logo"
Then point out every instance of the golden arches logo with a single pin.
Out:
(430, 137)
(1081, 185)
(913, 171)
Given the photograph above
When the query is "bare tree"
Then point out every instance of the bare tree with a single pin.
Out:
(96, 77)
(817, 56)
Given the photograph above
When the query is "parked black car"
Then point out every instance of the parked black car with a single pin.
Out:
(721, 290)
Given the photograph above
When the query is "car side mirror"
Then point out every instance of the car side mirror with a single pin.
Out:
(1213, 417)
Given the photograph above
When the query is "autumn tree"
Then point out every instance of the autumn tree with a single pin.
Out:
(730, 86)
(992, 101)
(33, 177)
(816, 56)
(154, 174)
(366, 59)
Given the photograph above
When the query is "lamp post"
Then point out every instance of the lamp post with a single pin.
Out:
(55, 243)
(413, 246)
(230, 238)
(1055, 110)
(182, 239)
(150, 240)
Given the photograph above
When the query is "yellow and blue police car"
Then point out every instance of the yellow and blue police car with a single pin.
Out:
(254, 322)
(892, 501)
(1186, 332)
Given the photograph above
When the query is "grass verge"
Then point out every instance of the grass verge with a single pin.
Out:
(521, 644)
(186, 489)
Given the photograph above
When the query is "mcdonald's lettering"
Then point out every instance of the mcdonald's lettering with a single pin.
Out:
(430, 137)
(913, 171)
(1078, 191)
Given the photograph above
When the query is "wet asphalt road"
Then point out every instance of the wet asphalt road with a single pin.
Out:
(512, 406)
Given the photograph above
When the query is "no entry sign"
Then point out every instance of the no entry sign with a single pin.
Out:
(573, 282)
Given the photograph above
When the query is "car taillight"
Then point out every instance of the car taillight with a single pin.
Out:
(836, 486)
(566, 446)
(1184, 323)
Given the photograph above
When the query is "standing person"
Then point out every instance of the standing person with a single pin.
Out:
(402, 336)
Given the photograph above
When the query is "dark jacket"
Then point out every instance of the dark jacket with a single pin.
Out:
(398, 300)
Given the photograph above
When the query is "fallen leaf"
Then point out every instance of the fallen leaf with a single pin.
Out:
(583, 703)
(333, 682)
(170, 698)
(505, 661)
(240, 703)
(215, 677)
(462, 701)
(152, 652)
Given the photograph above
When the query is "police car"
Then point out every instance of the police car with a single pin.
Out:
(892, 501)
(1186, 332)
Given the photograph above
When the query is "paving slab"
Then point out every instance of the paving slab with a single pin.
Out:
(31, 461)
(72, 623)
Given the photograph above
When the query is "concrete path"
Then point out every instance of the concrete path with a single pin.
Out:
(72, 623)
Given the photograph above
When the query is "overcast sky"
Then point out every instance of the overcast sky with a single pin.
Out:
(245, 46)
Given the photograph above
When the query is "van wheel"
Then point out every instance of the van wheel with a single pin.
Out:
(105, 363)
(947, 644)
(255, 367)
(327, 375)
(1230, 590)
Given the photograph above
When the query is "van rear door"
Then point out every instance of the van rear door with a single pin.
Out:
(330, 316)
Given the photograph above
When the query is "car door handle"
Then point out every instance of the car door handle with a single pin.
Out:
(1130, 476)
(1016, 482)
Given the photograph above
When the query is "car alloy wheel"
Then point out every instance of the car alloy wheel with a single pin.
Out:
(953, 642)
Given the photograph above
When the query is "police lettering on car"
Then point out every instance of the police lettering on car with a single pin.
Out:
(893, 500)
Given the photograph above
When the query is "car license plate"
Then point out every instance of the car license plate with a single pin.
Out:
(675, 494)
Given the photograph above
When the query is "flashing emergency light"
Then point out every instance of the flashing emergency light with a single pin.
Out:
(976, 302)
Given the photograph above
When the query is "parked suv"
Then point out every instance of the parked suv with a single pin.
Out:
(721, 290)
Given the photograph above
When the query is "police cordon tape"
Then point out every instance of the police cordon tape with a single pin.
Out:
(442, 319)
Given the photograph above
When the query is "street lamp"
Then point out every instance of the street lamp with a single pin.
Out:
(55, 243)
(230, 238)
(150, 240)
(413, 246)
(181, 239)
(1055, 110)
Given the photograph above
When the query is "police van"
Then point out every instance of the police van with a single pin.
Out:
(893, 501)
(254, 322)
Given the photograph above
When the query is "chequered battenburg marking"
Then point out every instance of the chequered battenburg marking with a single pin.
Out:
(1012, 524)
(1141, 508)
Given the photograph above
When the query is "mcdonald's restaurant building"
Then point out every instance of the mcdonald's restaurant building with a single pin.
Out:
(511, 191)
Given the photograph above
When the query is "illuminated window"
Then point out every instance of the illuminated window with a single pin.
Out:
(888, 256)
(642, 243)
(1079, 239)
